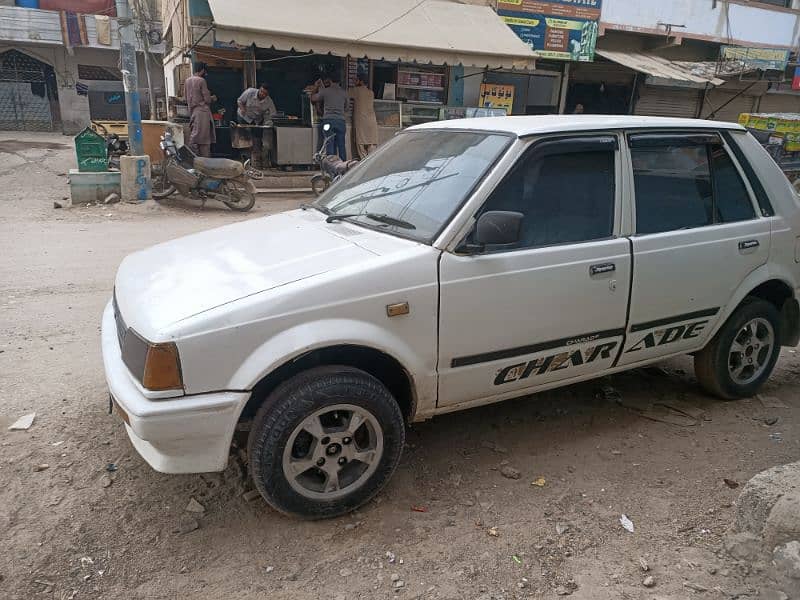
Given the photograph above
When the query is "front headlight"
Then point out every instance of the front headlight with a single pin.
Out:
(156, 366)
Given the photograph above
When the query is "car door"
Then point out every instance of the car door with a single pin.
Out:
(697, 237)
(553, 306)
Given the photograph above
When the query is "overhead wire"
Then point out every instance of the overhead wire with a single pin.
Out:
(393, 21)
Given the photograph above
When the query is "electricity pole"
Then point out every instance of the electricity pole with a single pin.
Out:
(141, 17)
(130, 77)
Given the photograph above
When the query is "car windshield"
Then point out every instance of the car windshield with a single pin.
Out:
(415, 182)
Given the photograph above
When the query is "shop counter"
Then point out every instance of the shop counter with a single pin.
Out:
(295, 146)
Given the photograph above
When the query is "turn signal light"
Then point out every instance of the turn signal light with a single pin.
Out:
(162, 368)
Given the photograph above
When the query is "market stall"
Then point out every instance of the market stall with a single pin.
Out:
(779, 133)
(406, 63)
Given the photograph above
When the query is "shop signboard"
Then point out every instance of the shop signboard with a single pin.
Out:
(497, 95)
(556, 29)
(357, 67)
(765, 59)
(796, 79)
(784, 128)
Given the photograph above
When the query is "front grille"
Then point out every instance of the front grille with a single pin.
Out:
(132, 346)
(121, 327)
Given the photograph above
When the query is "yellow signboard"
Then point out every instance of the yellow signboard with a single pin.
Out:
(497, 95)
(786, 126)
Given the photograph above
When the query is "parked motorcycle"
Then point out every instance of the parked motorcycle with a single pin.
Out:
(331, 167)
(197, 177)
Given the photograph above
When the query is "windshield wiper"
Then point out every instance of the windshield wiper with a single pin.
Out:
(375, 217)
(385, 191)
(324, 209)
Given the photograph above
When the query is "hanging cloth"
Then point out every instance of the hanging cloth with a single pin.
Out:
(73, 29)
(103, 26)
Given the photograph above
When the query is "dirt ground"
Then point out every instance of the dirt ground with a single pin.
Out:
(75, 530)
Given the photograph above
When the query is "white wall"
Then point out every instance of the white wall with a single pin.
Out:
(750, 25)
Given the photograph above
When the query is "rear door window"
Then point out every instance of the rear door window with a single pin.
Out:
(673, 188)
(684, 182)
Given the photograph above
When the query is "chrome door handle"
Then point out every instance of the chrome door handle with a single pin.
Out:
(603, 268)
(748, 244)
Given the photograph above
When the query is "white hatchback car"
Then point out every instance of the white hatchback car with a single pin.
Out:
(465, 262)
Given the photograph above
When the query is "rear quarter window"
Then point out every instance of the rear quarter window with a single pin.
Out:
(758, 188)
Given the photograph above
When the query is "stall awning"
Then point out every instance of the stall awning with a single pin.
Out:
(434, 31)
(661, 70)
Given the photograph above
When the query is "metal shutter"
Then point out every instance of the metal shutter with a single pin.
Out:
(731, 112)
(600, 71)
(24, 101)
(780, 103)
(668, 102)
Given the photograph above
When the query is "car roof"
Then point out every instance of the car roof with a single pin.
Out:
(533, 125)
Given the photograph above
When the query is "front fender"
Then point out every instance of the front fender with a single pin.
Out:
(307, 337)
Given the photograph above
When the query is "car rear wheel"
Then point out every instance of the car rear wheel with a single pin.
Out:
(741, 356)
(325, 442)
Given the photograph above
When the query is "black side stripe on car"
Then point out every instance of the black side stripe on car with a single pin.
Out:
(474, 359)
(709, 312)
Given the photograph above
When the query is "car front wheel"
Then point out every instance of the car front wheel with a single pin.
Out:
(741, 356)
(325, 442)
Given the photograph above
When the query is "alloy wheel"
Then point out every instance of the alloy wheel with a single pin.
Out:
(333, 451)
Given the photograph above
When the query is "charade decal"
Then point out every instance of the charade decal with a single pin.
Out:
(554, 362)
(661, 337)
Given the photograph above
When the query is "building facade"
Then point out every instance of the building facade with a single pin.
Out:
(422, 61)
(714, 59)
(651, 57)
(59, 67)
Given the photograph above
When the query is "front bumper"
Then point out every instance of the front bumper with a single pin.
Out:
(189, 434)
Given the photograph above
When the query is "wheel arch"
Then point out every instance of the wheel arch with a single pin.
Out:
(775, 288)
(384, 367)
(780, 294)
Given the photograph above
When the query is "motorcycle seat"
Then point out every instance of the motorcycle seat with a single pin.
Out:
(222, 168)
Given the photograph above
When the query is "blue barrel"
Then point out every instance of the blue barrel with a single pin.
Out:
(28, 3)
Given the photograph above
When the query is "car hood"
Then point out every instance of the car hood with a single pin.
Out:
(164, 284)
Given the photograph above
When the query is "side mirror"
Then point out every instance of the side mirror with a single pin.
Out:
(498, 228)
(494, 228)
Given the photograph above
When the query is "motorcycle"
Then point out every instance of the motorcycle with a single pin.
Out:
(332, 168)
(197, 177)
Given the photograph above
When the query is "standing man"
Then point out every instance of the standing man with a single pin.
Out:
(364, 119)
(201, 123)
(334, 99)
(257, 108)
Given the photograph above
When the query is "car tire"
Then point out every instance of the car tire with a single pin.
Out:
(741, 356)
(325, 442)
